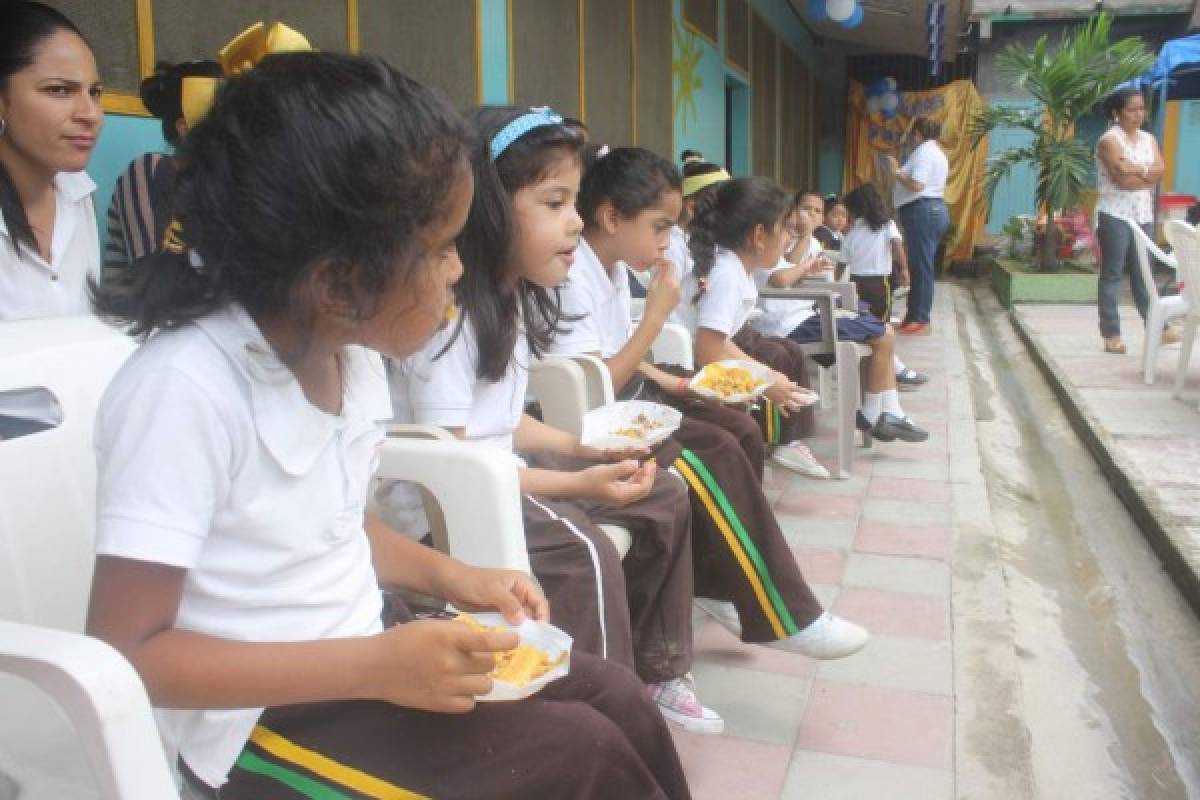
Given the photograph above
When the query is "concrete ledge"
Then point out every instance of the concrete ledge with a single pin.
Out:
(1168, 540)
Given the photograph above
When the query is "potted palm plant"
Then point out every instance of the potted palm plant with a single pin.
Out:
(1068, 82)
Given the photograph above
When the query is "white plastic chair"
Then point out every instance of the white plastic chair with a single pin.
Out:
(846, 367)
(1158, 309)
(1185, 242)
(89, 731)
(566, 388)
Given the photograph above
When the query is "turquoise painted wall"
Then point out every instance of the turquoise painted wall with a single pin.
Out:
(494, 51)
(700, 123)
(704, 129)
(122, 139)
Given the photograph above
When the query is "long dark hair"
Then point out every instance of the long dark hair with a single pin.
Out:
(162, 92)
(727, 216)
(308, 160)
(865, 203)
(632, 179)
(496, 304)
(23, 26)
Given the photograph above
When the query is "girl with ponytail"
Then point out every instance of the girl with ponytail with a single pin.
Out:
(629, 201)
(738, 227)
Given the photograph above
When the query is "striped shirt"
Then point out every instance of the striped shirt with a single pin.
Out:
(140, 209)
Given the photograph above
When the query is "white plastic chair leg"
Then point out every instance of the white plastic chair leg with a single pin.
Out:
(1185, 354)
(824, 387)
(847, 367)
(1154, 330)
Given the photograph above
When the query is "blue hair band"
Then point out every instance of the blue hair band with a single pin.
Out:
(533, 119)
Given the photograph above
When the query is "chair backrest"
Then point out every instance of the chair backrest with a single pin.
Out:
(47, 525)
(1145, 247)
(48, 478)
(1185, 242)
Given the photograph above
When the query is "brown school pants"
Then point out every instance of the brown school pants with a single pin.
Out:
(593, 734)
(739, 553)
(782, 355)
(636, 611)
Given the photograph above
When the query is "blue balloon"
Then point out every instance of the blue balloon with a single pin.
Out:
(854, 20)
(878, 88)
(816, 10)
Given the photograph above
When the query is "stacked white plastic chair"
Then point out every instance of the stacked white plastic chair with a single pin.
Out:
(1185, 242)
(1159, 310)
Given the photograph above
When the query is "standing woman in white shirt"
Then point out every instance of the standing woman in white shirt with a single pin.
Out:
(238, 569)
(1128, 167)
(50, 118)
(919, 200)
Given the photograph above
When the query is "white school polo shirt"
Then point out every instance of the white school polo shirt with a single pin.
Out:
(928, 166)
(29, 286)
(678, 252)
(726, 303)
(868, 252)
(445, 391)
(211, 459)
(598, 301)
(780, 317)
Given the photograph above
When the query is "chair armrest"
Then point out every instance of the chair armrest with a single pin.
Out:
(478, 490)
(103, 698)
(567, 387)
(673, 346)
(823, 297)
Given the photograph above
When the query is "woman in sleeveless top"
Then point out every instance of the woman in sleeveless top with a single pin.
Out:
(1128, 166)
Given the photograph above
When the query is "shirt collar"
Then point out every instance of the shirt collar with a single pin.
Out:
(71, 187)
(293, 430)
(586, 257)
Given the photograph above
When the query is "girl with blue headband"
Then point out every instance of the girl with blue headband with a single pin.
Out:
(517, 248)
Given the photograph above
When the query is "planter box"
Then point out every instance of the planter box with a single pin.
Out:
(1014, 282)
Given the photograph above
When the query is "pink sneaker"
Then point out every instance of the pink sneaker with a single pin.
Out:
(677, 701)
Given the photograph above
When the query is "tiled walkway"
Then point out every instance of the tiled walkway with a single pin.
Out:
(877, 550)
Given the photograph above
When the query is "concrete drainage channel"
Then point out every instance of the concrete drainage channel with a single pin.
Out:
(1097, 696)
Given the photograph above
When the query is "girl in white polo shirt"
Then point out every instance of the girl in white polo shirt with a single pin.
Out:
(738, 228)
(237, 568)
(629, 200)
(517, 247)
(872, 244)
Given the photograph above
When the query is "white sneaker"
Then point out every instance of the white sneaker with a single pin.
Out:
(677, 702)
(724, 613)
(827, 637)
(800, 460)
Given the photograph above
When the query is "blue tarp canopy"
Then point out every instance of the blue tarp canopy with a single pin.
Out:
(1178, 64)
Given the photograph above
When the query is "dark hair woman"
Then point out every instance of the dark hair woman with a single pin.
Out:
(50, 118)
(1128, 167)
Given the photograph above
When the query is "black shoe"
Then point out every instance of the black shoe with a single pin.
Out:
(889, 427)
(909, 379)
(863, 425)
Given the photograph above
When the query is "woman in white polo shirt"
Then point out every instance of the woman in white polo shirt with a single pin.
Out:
(919, 200)
(50, 118)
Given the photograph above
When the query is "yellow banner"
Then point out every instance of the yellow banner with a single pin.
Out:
(871, 137)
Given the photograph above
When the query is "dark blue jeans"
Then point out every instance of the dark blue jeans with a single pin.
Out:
(923, 222)
(1117, 256)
